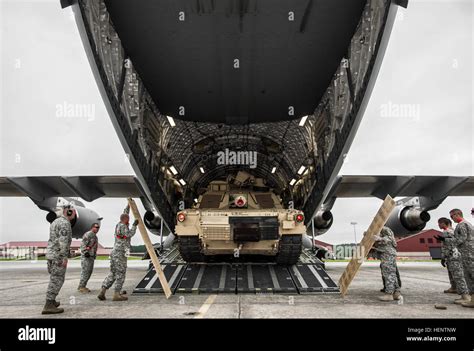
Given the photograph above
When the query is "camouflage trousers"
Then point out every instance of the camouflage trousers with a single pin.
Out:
(456, 275)
(468, 265)
(57, 274)
(87, 266)
(398, 279)
(388, 265)
(118, 269)
(452, 283)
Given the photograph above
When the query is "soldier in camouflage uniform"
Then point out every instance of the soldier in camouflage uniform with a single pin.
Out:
(374, 254)
(118, 257)
(451, 259)
(88, 254)
(60, 237)
(464, 241)
(386, 246)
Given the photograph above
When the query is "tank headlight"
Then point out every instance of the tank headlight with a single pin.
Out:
(240, 201)
(299, 217)
(181, 217)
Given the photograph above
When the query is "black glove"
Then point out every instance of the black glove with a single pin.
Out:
(440, 238)
(443, 262)
(135, 222)
(87, 255)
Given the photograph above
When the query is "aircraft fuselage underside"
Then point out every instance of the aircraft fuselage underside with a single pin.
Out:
(256, 108)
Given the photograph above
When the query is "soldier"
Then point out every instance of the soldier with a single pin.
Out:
(376, 255)
(464, 241)
(118, 257)
(387, 248)
(60, 237)
(88, 254)
(451, 259)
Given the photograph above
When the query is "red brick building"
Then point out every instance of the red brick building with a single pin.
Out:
(422, 245)
(323, 244)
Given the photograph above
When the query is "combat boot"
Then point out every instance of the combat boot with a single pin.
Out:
(451, 290)
(397, 295)
(84, 290)
(386, 297)
(464, 298)
(469, 304)
(119, 297)
(56, 303)
(50, 308)
(101, 295)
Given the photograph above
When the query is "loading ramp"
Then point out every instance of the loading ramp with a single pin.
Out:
(306, 277)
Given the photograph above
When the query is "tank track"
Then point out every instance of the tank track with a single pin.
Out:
(291, 247)
(190, 249)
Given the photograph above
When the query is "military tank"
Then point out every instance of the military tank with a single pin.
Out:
(240, 216)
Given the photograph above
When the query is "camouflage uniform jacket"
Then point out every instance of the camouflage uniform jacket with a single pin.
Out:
(387, 244)
(60, 237)
(89, 243)
(123, 236)
(463, 238)
(448, 246)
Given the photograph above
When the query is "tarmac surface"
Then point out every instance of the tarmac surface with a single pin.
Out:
(23, 287)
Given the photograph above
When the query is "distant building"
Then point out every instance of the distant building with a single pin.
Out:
(422, 245)
(324, 250)
(32, 249)
(320, 243)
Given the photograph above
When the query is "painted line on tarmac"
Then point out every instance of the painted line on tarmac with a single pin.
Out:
(205, 306)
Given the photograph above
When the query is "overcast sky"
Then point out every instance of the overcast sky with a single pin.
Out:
(427, 68)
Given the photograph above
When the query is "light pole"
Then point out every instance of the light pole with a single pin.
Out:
(355, 235)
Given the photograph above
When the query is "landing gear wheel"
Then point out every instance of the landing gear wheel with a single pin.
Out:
(190, 249)
(290, 249)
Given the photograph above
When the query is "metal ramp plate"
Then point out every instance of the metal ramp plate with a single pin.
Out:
(240, 278)
(310, 278)
(264, 278)
(208, 278)
(151, 284)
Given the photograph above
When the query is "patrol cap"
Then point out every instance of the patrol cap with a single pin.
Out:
(62, 205)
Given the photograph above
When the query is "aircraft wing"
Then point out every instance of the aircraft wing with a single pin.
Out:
(420, 194)
(436, 187)
(428, 191)
(88, 188)
(424, 192)
(45, 191)
(91, 188)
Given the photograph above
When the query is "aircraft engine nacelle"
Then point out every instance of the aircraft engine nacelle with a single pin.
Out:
(152, 222)
(322, 222)
(82, 223)
(407, 220)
